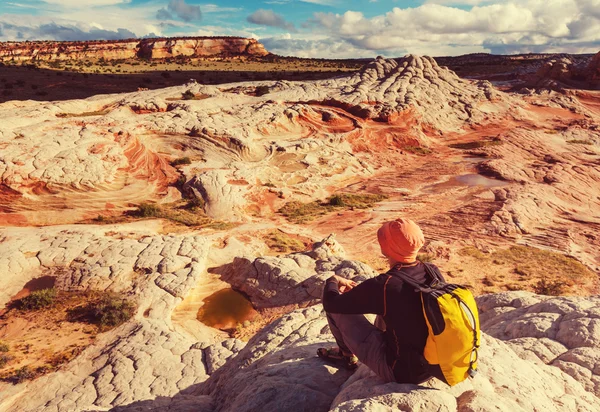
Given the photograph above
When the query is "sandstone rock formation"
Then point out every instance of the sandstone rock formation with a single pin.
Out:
(407, 128)
(152, 48)
(297, 278)
(278, 369)
(558, 73)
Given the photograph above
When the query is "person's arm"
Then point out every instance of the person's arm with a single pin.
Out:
(367, 297)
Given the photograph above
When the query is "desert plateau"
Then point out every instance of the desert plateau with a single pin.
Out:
(171, 208)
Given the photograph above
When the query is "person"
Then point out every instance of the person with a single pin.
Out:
(394, 348)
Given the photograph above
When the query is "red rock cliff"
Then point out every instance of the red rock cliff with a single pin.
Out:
(208, 47)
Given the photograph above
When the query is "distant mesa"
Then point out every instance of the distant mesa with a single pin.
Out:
(155, 48)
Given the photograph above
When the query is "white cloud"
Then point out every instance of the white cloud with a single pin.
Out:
(214, 8)
(321, 2)
(86, 3)
(271, 19)
(432, 28)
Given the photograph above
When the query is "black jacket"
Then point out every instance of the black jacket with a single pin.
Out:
(400, 306)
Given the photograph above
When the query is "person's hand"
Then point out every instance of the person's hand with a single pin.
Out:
(344, 285)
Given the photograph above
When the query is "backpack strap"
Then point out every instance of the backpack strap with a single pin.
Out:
(436, 280)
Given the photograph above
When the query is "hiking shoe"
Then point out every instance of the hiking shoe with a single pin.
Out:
(337, 358)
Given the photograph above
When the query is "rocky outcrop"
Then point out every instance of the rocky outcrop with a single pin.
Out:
(297, 278)
(278, 369)
(153, 48)
(563, 332)
(564, 72)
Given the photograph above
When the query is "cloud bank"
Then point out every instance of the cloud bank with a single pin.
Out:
(271, 19)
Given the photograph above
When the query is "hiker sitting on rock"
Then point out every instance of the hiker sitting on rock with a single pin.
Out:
(393, 349)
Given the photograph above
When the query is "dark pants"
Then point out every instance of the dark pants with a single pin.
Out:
(355, 334)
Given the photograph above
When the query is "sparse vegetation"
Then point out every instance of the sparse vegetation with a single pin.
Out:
(298, 212)
(541, 271)
(22, 374)
(425, 257)
(549, 288)
(148, 210)
(188, 95)
(282, 242)
(186, 212)
(4, 346)
(418, 150)
(37, 300)
(181, 161)
(84, 114)
(477, 144)
(4, 359)
(110, 310)
(262, 90)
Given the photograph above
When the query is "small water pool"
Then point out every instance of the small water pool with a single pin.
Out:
(225, 309)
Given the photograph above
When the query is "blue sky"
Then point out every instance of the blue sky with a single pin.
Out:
(323, 28)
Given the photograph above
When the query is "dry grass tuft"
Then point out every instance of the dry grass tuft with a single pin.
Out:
(298, 212)
(528, 268)
(284, 243)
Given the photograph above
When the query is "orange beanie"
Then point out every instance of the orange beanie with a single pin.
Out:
(400, 240)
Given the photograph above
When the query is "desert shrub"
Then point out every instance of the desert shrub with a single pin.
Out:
(425, 257)
(4, 346)
(181, 161)
(262, 90)
(110, 310)
(282, 242)
(38, 299)
(188, 95)
(477, 144)
(580, 141)
(418, 150)
(548, 287)
(298, 212)
(4, 359)
(148, 210)
(336, 200)
(22, 374)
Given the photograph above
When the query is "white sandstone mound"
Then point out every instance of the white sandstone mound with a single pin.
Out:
(297, 278)
(278, 369)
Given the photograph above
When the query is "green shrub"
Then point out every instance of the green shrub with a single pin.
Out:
(181, 161)
(262, 90)
(38, 299)
(418, 150)
(336, 200)
(4, 359)
(580, 141)
(549, 288)
(148, 210)
(22, 374)
(110, 310)
(425, 257)
(188, 95)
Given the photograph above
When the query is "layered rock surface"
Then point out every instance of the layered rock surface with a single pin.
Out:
(278, 368)
(153, 48)
(558, 73)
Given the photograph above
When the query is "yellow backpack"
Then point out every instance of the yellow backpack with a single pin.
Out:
(453, 323)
